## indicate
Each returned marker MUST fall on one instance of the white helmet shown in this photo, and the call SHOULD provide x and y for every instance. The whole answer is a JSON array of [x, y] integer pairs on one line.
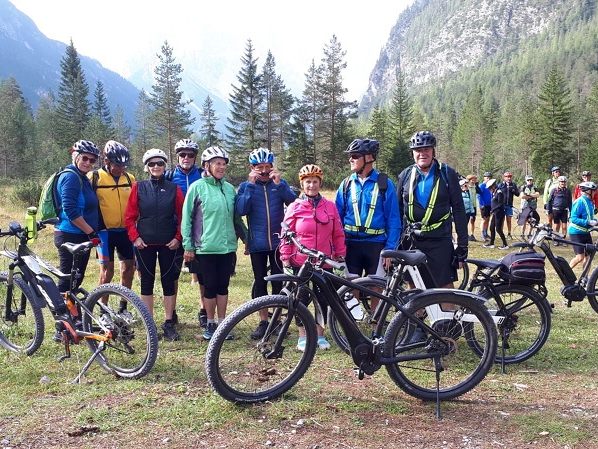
[[213, 152], [154, 152]]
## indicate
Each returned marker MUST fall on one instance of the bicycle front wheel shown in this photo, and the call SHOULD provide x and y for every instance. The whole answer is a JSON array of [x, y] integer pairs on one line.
[[243, 370], [132, 348], [592, 289], [523, 318], [446, 365], [21, 320]]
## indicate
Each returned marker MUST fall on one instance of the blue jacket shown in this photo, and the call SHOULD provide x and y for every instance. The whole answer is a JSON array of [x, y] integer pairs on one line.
[[76, 198], [263, 204], [485, 196], [386, 213], [581, 214], [182, 179]]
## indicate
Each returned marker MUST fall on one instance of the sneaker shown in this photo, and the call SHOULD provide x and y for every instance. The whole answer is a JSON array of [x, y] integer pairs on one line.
[[487, 245], [170, 332], [260, 330], [556, 243], [472, 238], [175, 317], [504, 247], [301, 342], [202, 318], [323, 343], [210, 329]]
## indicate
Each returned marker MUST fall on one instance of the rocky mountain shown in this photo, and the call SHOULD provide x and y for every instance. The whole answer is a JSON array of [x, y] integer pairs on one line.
[[435, 42]]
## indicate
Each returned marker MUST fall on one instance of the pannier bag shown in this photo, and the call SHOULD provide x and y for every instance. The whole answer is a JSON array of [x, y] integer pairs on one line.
[[523, 268]]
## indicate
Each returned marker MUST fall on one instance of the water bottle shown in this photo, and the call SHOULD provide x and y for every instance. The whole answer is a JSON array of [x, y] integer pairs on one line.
[[31, 223]]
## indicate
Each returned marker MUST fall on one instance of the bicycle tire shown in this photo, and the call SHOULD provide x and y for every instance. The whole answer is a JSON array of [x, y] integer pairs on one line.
[[238, 370], [126, 355], [463, 277], [366, 324], [463, 369], [20, 331], [591, 287], [525, 326]]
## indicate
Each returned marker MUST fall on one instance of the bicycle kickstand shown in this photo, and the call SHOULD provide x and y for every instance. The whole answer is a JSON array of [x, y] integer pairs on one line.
[[439, 369], [77, 379]]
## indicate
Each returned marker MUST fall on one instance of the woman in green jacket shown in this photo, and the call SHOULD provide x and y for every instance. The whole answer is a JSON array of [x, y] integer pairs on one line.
[[210, 230]]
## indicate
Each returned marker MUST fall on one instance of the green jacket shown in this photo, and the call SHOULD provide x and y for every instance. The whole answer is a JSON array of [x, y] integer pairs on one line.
[[210, 225]]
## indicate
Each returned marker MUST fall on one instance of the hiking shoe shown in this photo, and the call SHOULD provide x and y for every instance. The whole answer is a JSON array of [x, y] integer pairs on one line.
[[301, 343], [487, 245], [472, 238], [202, 317], [448, 328], [260, 330], [170, 332], [323, 343], [210, 329], [504, 247]]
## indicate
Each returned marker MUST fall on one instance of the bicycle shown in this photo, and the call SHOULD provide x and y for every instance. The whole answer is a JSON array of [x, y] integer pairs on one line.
[[440, 368], [117, 326], [521, 314], [575, 289]]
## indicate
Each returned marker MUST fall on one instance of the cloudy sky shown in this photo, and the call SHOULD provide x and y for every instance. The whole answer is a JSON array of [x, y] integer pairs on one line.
[[209, 38]]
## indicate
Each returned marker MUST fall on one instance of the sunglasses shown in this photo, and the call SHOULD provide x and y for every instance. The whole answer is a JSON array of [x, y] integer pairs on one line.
[[91, 160], [187, 155], [156, 163], [355, 156]]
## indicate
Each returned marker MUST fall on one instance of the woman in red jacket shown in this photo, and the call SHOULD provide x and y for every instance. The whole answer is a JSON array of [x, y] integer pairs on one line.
[[316, 222], [153, 222]]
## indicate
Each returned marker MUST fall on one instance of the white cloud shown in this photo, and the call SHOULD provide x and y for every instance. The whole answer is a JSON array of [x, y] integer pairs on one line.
[[209, 38]]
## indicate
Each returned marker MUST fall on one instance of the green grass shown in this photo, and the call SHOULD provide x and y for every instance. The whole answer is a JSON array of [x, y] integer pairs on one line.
[[175, 397]]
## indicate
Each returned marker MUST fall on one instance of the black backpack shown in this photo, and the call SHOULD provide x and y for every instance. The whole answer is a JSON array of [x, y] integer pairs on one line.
[[382, 187]]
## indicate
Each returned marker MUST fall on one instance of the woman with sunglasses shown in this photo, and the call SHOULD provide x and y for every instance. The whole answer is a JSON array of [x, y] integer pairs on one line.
[[78, 217], [153, 222], [317, 224]]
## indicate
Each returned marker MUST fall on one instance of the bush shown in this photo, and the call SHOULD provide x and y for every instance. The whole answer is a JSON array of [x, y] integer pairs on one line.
[[27, 193]]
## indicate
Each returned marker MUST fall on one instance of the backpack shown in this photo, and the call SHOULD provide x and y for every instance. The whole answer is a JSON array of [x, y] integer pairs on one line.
[[95, 176], [525, 268], [48, 203], [382, 187]]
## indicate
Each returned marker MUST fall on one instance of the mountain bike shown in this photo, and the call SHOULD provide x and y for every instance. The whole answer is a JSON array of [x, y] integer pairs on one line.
[[442, 367], [116, 324], [574, 289]]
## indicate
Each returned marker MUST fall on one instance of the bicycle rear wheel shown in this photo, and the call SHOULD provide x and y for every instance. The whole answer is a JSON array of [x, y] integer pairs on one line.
[[133, 347], [359, 304], [450, 361], [523, 319], [21, 320], [243, 370]]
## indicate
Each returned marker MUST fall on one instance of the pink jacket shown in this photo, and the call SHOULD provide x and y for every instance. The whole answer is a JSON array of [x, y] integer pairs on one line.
[[318, 229]]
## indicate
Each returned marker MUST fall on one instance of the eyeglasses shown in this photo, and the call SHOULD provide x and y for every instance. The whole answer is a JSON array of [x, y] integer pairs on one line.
[[158, 163], [91, 160], [187, 155], [355, 156]]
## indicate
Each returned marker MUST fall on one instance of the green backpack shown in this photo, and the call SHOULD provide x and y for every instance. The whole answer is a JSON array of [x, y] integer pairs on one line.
[[48, 204]]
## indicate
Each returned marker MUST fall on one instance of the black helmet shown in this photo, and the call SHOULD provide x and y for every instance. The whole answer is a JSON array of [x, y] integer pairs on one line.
[[85, 146], [116, 153], [363, 146], [422, 139], [487, 174]]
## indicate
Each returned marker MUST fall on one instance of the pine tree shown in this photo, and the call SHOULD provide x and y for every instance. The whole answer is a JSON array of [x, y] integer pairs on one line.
[[245, 124], [143, 129], [301, 147], [100, 105], [53, 155], [396, 155], [122, 130], [379, 130], [554, 124], [208, 132], [308, 116], [99, 128], [72, 112], [16, 130], [170, 117]]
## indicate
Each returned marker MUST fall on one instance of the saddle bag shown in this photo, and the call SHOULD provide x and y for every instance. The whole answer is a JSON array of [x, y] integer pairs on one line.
[[527, 268]]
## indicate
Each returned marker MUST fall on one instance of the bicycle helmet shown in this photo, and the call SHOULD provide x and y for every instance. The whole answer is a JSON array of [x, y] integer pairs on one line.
[[212, 153], [562, 179], [586, 173], [116, 153], [152, 153], [310, 170], [555, 168], [85, 146], [261, 156], [587, 186], [363, 146], [529, 178], [487, 174], [186, 144], [422, 139]]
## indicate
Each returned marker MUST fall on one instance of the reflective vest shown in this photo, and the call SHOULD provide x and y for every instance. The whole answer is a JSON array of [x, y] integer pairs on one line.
[[427, 224]]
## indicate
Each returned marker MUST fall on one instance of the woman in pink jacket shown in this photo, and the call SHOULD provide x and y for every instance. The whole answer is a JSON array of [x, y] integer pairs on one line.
[[316, 222]]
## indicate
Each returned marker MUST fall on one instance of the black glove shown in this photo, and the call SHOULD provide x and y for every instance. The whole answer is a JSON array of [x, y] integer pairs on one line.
[[93, 235], [461, 253]]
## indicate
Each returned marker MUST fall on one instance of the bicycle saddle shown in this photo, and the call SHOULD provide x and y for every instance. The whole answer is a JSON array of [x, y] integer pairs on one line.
[[484, 263], [411, 257], [77, 248]]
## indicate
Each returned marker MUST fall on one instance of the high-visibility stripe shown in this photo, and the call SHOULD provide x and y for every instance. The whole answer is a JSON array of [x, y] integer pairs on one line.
[[370, 216], [365, 230], [431, 203]]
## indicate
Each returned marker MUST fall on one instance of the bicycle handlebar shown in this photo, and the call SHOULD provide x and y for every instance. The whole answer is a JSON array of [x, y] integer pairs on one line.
[[321, 257]]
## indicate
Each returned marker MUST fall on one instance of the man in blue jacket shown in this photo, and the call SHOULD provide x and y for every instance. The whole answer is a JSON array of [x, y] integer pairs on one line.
[[262, 199], [484, 200], [368, 207]]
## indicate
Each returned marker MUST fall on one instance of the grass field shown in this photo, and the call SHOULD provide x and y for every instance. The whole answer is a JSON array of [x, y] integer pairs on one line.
[[549, 401]]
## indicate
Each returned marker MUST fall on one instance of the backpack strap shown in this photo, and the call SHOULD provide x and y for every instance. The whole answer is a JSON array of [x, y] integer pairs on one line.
[[95, 176]]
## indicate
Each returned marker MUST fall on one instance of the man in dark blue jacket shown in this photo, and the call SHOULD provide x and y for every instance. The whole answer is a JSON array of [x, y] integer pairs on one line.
[[262, 199]]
